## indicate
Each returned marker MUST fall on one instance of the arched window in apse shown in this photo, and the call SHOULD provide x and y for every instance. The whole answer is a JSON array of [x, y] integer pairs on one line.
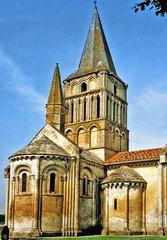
[[24, 182], [115, 204], [52, 182], [85, 186]]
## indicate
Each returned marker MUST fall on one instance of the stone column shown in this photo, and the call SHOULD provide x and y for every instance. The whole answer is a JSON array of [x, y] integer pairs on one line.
[[64, 206], [10, 198], [72, 195], [42, 190], [125, 116], [76, 197], [119, 112], [13, 200], [78, 110], [127, 210], [160, 199], [7, 199], [105, 230], [35, 177], [165, 197], [95, 201], [81, 108], [67, 204], [144, 209], [69, 111], [112, 113], [111, 108], [88, 108], [75, 110], [105, 103], [95, 106]]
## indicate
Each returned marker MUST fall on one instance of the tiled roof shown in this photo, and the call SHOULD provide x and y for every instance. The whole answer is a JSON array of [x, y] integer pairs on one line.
[[42, 146], [123, 174], [139, 155]]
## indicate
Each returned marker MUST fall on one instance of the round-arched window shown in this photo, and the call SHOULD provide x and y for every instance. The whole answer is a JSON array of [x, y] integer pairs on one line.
[[24, 182], [52, 182], [83, 87]]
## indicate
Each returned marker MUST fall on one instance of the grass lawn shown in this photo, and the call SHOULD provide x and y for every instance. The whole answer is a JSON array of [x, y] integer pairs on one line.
[[108, 238]]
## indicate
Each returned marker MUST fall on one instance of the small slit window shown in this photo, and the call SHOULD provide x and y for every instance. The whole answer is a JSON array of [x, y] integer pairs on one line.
[[115, 204], [85, 186], [24, 182], [72, 112], [115, 89], [83, 87], [98, 106], [107, 106], [84, 109], [52, 182]]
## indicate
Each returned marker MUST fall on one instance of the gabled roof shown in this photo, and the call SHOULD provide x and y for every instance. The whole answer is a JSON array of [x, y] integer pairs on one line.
[[50, 141], [42, 146], [123, 174], [96, 54], [139, 155]]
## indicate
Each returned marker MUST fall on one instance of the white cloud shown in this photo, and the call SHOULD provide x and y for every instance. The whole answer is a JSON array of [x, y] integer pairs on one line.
[[147, 117], [153, 98], [19, 83]]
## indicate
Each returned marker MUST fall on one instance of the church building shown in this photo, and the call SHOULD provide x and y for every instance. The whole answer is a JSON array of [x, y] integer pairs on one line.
[[77, 175]]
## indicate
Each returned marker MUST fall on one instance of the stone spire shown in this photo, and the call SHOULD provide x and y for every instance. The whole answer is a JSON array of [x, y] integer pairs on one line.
[[96, 54], [55, 109]]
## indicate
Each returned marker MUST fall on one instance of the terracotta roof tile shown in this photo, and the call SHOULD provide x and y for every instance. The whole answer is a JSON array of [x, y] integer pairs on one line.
[[124, 174], [139, 155]]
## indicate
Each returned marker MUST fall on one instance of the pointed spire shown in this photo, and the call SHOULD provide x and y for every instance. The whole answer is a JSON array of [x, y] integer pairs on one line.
[[96, 54], [56, 93], [55, 109], [95, 2]]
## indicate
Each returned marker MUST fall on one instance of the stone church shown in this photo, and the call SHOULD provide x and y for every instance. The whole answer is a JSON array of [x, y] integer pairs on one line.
[[77, 175]]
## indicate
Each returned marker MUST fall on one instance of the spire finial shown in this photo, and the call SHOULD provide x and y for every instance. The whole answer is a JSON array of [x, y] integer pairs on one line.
[[95, 3]]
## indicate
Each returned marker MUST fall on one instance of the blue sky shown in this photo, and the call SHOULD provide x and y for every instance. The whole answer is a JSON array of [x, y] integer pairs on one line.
[[37, 34]]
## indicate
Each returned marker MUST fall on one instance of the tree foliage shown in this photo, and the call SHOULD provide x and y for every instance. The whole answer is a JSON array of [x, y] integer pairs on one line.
[[160, 6]]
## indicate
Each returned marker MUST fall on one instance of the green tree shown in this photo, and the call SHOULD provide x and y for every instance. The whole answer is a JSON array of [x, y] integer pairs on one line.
[[160, 6]]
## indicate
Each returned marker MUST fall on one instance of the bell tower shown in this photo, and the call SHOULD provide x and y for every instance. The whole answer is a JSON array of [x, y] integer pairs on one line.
[[96, 98]]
